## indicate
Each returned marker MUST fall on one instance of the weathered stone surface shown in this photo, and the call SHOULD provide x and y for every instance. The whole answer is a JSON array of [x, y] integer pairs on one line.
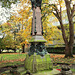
[[66, 70], [37, 21], [14, 72], [38, 48], [52, 72], [36, 63], [37, 38], [28, 73], [40, 60]]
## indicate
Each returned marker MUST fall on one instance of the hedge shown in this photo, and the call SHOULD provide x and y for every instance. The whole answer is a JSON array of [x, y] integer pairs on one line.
[[58, 50]]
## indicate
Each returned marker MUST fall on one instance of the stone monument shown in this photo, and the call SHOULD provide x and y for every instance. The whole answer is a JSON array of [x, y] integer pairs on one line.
[[38, 58], [37, 41]]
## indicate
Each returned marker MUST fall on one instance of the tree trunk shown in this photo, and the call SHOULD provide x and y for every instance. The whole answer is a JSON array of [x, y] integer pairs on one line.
[[68, 45], [71, 29], [68, 51], [0, 50], [23, 48], [68, 42], [14, 50]]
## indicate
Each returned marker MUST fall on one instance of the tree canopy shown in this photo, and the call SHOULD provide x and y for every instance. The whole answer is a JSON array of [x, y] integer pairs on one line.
[[7, 3], [52, 13]]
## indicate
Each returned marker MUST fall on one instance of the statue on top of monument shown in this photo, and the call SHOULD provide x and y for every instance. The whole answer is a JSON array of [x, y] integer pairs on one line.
[[36, 3]]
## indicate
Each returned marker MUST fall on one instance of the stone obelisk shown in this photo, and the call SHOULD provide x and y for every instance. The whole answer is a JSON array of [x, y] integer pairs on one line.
[[36, 23], [37, 41], [37, 59]]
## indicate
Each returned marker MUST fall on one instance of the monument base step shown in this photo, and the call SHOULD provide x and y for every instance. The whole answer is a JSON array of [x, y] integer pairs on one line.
[[37, 38], [49, 72], [35, 63]]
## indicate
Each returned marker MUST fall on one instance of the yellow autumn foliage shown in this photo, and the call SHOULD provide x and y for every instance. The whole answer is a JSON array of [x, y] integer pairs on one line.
[[25, 19]]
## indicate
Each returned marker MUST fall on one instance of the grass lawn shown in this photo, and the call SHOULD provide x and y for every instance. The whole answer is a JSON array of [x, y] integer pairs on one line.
[[7, 59], [10, 59], [11, 56]]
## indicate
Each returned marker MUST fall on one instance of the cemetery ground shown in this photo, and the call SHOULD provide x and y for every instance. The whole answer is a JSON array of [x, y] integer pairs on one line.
[[8, 60]]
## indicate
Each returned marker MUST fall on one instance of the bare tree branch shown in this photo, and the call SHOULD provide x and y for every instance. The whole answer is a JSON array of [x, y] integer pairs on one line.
[[73, 15], [72, 11], [70, 1]]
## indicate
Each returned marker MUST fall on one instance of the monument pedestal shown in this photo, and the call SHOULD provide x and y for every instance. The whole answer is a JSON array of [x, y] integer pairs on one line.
[[37, 45], [37, 38], [35, 63]]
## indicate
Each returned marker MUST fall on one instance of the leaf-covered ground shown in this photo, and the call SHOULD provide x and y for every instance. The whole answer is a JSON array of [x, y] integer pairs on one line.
[[10, 59], [16, 58], [59, 58]]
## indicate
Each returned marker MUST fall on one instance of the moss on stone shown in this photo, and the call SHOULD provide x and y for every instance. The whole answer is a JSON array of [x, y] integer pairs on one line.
[[48, 72], [36, 63], [37, 41]]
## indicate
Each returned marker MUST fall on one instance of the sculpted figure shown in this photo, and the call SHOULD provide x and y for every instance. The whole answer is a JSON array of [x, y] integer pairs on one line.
[[32, 49], [40, 49]]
